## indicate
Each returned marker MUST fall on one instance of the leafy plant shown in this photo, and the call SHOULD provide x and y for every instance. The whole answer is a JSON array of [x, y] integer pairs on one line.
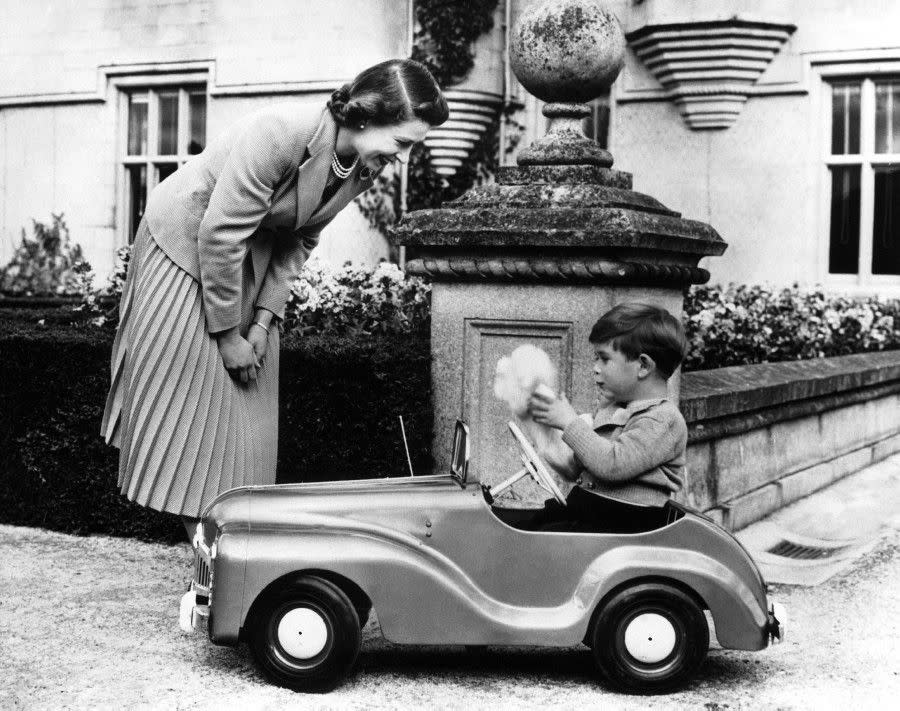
[[740, 324], [357, 300], [103, 303], [444, 33], [46, 264]]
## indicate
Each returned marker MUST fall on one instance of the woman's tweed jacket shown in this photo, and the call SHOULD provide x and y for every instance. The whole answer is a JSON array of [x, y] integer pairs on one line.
[[248, 191]]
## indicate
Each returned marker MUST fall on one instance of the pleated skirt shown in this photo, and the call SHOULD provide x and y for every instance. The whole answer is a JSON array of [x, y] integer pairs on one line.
[[186, 431]]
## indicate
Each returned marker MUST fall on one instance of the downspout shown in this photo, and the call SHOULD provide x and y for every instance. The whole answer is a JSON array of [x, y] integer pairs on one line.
[[507, 81], [404, 169]]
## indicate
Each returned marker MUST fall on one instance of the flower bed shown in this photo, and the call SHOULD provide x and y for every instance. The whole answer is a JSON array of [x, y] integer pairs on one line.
[[733, 325], [357, 300], [741, 325]]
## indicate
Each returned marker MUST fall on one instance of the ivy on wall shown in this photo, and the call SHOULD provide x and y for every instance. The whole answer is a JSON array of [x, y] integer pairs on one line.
[[444, 33], [442, 41]]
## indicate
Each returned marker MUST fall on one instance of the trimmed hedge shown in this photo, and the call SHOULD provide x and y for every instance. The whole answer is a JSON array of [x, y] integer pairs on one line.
[[339, 402]]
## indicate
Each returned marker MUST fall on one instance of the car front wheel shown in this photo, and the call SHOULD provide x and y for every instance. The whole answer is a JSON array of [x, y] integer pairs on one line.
[[650, 638], [305, 635]]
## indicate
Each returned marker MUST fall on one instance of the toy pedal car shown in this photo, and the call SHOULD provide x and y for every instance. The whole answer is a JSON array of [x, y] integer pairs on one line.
[[295, 569]]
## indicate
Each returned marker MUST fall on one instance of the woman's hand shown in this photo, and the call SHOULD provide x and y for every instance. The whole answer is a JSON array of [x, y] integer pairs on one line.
[[237, 355], [550, 410], [258, 337]]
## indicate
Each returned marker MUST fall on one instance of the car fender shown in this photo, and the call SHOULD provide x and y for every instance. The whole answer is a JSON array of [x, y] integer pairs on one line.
[[419, 594], [740, 621]]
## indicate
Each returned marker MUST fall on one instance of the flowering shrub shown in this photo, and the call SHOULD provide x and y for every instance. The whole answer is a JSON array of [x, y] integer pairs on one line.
[[103, 304], [47, 264], [357, 300], [733, 325], [739, 324]]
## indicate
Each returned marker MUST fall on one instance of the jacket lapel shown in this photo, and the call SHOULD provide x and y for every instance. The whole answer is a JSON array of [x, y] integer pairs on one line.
[[311, 176], [349, 189]]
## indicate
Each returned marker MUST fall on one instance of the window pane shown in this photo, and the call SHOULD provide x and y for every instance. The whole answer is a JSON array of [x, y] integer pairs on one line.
[[168, 124], [137, 197], [197, 139], [164, 170], [886, 228], [887, 117], [137, 124], [843, 257], [845, 119]]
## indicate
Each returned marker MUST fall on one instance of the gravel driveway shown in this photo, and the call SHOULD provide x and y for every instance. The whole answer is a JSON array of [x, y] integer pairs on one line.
[[91, 623]]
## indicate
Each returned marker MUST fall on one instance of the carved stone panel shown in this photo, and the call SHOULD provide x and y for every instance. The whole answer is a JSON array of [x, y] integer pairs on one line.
[[486, 341]]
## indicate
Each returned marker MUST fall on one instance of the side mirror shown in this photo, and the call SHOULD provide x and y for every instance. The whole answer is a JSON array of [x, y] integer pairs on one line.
[[459, 460]]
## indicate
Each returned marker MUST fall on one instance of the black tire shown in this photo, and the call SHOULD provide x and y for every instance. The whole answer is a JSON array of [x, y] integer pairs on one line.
[[363, 614], [324, 605], [682, 636]]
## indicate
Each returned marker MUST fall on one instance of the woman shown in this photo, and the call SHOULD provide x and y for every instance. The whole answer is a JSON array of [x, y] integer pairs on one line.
[[220, 242]]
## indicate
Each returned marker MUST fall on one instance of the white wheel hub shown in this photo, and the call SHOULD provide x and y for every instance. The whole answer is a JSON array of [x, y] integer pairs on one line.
[[650, 638], [302, 633]]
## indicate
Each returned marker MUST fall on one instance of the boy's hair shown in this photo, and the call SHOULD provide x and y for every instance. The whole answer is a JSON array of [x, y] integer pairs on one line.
[[635, 328]]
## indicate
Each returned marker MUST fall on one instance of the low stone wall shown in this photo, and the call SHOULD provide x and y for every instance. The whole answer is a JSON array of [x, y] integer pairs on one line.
[[762, 436]]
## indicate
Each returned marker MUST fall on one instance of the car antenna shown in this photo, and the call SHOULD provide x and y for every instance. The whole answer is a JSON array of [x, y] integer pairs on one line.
[[406, 446]]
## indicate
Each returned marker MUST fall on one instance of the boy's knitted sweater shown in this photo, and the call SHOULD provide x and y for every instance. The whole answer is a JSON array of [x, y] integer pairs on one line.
[[633, 453]]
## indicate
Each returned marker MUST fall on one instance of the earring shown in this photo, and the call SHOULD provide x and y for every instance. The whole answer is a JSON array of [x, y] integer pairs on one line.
[[362, 126]]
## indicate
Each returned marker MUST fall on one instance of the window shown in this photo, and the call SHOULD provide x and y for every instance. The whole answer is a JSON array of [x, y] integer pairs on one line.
[[863, 164], [164, 126]]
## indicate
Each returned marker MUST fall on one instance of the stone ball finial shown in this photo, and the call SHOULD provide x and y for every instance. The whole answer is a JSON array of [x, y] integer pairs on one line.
[[567, 51]]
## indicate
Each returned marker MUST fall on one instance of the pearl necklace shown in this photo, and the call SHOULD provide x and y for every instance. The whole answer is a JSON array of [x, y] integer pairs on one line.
[[339, 170]]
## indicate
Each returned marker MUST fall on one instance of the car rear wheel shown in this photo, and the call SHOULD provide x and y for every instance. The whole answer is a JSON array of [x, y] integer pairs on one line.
[[650, 638], [305, 635]]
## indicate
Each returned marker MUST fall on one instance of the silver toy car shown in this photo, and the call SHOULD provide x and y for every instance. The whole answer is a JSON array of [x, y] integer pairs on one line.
[[295, 569]]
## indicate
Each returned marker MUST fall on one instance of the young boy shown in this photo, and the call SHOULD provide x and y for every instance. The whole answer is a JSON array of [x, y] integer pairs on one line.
[[634, 452]]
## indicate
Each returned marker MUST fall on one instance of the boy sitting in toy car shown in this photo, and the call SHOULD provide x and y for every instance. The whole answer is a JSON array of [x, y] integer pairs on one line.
[[635, 449]]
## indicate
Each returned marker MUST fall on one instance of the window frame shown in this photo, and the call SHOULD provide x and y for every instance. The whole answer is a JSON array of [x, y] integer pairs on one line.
[[866, 72], [185, 84]]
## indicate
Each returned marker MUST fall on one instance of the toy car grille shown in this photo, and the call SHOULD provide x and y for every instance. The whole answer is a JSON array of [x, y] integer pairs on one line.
[[201, 571]]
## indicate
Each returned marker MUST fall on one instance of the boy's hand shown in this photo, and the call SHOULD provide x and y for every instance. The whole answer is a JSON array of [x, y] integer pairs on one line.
[[553, 411]]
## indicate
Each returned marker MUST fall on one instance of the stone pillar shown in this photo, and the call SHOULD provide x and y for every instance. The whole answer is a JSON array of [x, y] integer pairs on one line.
[[541, 254]]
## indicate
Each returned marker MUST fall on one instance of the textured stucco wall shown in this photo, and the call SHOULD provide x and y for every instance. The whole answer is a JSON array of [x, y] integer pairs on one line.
[[55, 46], [760, 183], [59, 155]]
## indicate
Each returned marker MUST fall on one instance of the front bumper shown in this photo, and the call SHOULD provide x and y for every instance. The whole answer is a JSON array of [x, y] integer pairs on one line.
[[193, 611], [776, 622]]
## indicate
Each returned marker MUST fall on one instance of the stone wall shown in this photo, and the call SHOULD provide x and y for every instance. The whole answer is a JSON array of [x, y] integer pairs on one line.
[[762, 436]]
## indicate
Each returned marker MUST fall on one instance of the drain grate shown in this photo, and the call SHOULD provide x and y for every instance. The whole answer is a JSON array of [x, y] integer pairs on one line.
[[786, 549]]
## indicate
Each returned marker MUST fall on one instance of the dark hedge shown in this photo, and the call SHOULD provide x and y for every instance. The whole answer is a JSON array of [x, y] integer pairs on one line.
[[339, 404]]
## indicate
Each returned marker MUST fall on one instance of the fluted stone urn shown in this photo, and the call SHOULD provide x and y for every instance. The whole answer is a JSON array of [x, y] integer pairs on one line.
[[539, 255]]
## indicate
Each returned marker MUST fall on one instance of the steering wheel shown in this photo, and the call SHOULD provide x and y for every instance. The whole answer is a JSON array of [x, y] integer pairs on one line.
[[535, 465]]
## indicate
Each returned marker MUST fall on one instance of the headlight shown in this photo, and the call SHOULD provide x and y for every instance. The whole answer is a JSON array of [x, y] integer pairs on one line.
[[198, 535]]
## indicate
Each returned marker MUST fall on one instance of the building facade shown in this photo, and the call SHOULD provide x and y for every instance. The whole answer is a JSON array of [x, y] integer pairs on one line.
[[777, 121], [102, 99]]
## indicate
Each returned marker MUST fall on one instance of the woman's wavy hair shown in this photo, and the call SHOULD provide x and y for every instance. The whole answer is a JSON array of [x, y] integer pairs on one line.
[[390, 93]]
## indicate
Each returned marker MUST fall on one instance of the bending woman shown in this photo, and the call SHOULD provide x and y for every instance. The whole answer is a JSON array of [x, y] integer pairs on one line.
[[193, 404]]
